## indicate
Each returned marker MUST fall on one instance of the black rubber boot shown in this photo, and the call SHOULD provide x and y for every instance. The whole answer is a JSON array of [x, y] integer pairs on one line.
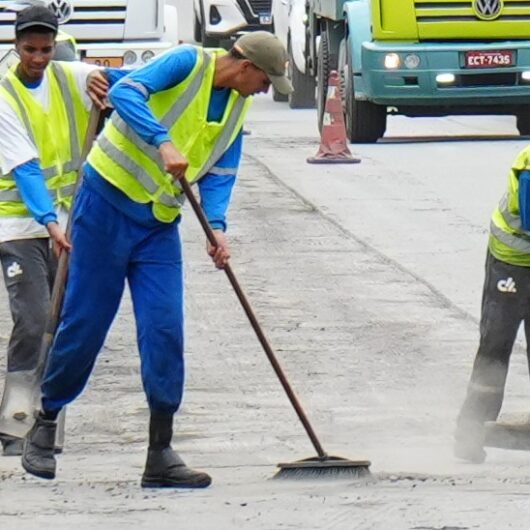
[[164, 468], [12, 446], [39, 447]]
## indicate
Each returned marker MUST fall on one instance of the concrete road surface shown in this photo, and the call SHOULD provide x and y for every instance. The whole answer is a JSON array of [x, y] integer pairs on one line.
[[367, 281]]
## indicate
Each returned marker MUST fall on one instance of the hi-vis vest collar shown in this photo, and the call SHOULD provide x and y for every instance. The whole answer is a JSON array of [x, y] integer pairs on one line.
[[48, 172]]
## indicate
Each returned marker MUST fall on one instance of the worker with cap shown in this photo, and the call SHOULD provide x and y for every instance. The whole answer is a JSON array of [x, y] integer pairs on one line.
[[44, 108], [180, 116], [65, 44]]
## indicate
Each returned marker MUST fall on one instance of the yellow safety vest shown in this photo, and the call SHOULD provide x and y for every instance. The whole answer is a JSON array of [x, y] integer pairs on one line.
[[508, 241], [66, 47], [58, 134], [136, 168], [65, 37]]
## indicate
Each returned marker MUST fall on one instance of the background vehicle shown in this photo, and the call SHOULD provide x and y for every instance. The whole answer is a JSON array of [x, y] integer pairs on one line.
[[421, 58], [289, 19], [110, 32], [219, 20]]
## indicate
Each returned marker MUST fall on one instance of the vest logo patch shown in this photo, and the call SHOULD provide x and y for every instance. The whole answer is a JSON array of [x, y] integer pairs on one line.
[[14, 270], [506, 286]]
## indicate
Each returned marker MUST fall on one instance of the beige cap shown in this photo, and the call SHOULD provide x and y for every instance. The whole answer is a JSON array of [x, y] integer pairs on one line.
[[267, 52]]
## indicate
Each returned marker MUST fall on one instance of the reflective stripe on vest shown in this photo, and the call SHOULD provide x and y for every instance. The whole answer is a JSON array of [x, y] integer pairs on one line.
[[518, 242], [142, 176], [14, 195], [513, 221]]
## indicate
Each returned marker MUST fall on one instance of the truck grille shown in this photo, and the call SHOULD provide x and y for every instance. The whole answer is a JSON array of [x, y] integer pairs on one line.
[[95, 20], [260, 7], [457, 19], [92, 21], [462, 10]]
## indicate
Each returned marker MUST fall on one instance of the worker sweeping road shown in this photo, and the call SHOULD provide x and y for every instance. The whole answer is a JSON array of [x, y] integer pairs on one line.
[[44, 108], [505, 304], [180, 116]]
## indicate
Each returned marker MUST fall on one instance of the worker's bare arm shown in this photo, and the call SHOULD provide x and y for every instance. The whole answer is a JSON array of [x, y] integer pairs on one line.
[[98, 88]]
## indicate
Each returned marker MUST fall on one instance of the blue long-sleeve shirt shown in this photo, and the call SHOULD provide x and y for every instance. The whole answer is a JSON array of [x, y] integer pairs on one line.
[[129, 96], [32, 188]]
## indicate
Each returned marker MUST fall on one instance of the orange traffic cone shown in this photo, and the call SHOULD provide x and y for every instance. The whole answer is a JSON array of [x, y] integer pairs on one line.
[[333, 146]]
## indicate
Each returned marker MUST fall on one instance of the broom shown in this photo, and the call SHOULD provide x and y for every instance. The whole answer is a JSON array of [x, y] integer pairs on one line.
[[321, 465], [59, 284]]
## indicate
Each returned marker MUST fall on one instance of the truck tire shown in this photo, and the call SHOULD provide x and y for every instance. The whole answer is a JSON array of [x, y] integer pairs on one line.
[[303, 96], [277, 96], [197, 33], [523, 123], [323, 69], [205, 40], [365, 121]]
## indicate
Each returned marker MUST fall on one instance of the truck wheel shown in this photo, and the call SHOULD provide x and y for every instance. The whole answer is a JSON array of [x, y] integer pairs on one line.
[[323, 69], [365, 121], [197, 34], [303, 96], [523, 123], [278, 96], [207, 41]]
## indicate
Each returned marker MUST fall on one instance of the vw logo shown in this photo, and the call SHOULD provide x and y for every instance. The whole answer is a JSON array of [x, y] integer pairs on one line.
[[487, 9], [62, 9]]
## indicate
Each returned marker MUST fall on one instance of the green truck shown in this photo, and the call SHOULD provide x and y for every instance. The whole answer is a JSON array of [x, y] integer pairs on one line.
[[421, 58]]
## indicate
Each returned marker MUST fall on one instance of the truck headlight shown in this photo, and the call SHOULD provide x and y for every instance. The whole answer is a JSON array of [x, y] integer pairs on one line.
[[412, 61], [129, 57], [147, 56], [392, 61], [525, 76]]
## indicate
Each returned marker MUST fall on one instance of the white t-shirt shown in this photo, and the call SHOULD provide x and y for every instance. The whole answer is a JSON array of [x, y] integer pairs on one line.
[[16, 148]]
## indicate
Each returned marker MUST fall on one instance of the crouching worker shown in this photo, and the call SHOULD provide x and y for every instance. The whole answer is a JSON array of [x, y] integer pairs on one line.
[[179, 116]]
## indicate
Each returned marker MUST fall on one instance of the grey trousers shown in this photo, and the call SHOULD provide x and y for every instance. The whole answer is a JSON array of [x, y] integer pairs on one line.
[[29, 267], [505, 304]]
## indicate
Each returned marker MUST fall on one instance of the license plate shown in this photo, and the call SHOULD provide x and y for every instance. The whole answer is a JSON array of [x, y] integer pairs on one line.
[[111, 62], [493, 59]]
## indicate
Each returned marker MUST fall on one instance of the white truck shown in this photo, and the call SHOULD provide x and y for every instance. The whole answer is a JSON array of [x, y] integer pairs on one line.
[[289, 19], [110, 32], [220, 20]]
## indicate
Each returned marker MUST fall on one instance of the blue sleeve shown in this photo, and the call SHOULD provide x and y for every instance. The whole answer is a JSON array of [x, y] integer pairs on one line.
[[115, 74], [130, 94], [524, 199], [216, 186], [32, 188]]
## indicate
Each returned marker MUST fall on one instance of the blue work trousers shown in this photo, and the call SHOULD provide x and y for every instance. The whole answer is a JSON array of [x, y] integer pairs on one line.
[[108, 248]]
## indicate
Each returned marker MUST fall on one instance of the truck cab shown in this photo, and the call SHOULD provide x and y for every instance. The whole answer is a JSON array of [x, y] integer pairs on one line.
[[422, 58], [109, 32]]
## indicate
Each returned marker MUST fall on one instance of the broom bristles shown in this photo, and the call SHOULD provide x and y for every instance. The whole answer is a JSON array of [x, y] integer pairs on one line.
[[331, 467]]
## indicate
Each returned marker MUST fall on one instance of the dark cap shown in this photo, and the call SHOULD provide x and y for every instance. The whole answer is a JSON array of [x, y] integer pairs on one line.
[[36, 16], [267, 52]]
